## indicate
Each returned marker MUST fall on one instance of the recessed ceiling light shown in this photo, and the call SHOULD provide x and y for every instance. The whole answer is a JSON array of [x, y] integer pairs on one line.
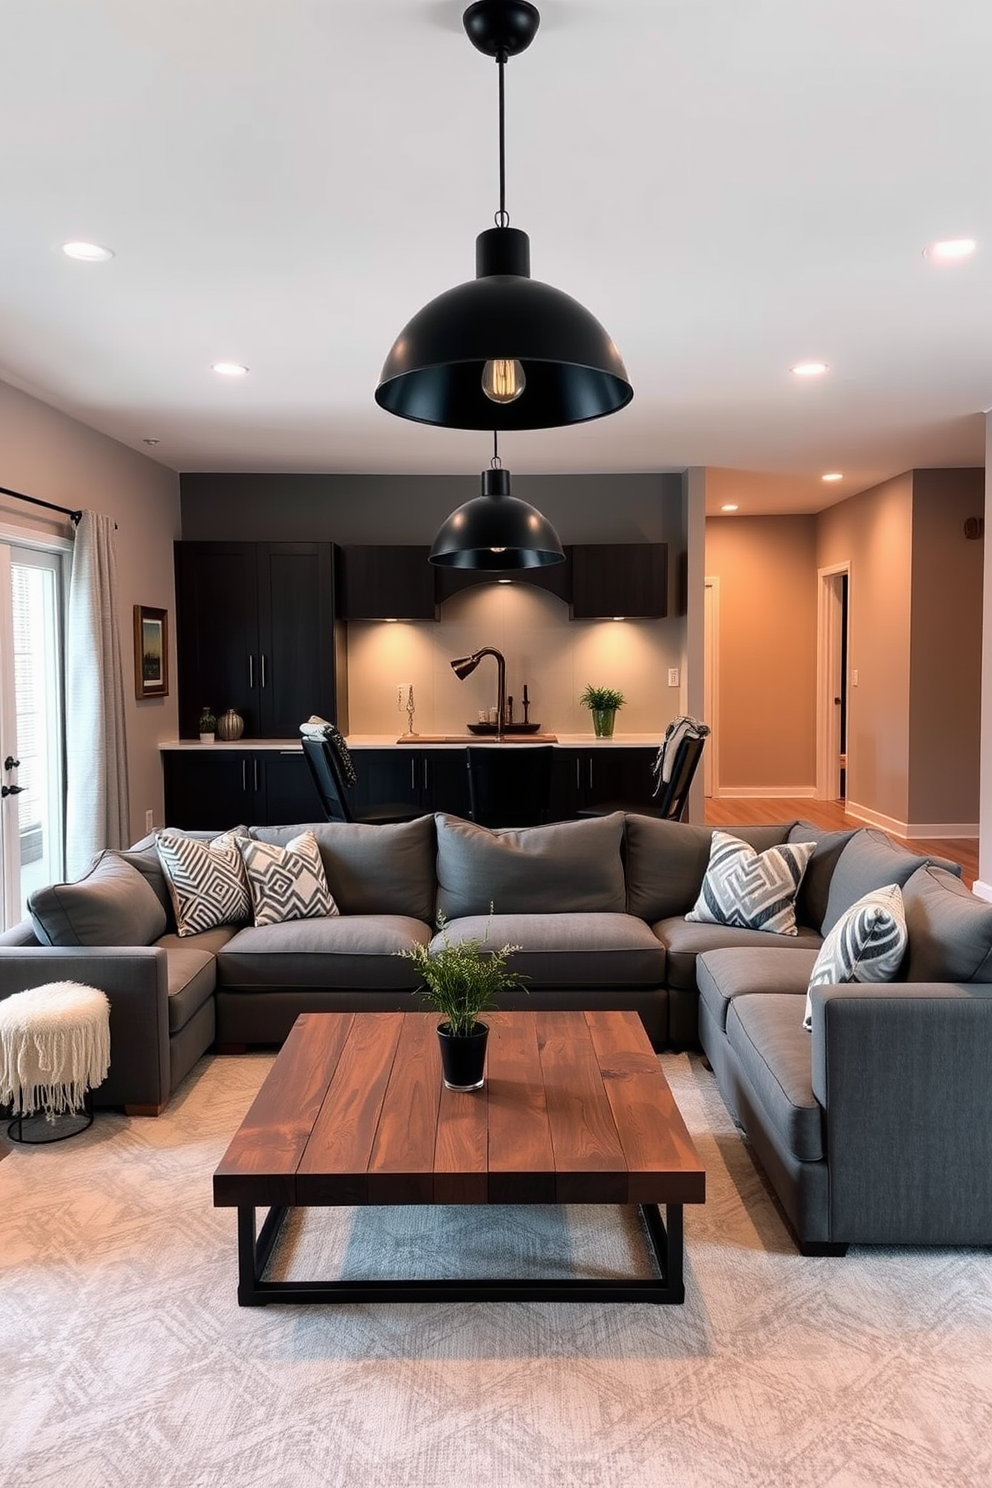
[[833, 475], [949, 250], [729, 506], [229, 369], [809, 369], [87, 252], [149, 441], [504, 581]]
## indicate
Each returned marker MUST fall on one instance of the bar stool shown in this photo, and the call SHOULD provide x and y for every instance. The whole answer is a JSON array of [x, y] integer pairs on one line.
[[54, 1048]]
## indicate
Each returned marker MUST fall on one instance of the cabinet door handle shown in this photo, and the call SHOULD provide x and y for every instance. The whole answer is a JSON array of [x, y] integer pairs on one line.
[[255, 765], [578, 781], [590, 772], [425, 772], [244, 775], [262, 660], [251, 671], [413, 773]]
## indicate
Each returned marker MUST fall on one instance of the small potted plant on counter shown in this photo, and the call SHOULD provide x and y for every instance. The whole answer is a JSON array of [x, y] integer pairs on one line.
[[604, 702], [208, 726], [461, 980]]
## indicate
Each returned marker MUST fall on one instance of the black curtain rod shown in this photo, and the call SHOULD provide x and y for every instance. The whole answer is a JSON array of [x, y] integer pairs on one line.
[[37, 501]]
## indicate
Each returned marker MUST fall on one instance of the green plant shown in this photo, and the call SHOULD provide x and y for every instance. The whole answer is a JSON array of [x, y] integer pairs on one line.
[[462, 979], [602, 697], [208, 721]]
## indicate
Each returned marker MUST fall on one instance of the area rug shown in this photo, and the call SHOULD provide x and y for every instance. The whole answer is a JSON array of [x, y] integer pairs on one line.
[[126, 1363]]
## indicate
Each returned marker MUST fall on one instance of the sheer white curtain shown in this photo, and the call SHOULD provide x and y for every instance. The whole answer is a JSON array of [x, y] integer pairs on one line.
[[96, 749]]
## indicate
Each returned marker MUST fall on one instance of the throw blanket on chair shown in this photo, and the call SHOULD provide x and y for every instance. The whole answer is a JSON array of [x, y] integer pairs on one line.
[[322, 729], [677, 730]]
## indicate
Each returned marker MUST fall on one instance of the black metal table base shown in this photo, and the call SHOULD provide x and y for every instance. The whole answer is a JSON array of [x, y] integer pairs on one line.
[[665, 1244]]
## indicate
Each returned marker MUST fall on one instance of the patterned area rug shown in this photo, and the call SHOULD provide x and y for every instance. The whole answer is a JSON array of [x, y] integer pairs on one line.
[[126, 1362]]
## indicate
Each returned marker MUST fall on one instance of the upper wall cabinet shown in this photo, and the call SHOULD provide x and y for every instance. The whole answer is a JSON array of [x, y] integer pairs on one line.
[[612, 579], [255, 632], [386, 582]]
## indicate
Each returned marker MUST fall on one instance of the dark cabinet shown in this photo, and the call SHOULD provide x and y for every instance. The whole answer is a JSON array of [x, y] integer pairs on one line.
[[388, 581], [214, 788], [612, 579], [599, 774], [255, 632], [431, 779]]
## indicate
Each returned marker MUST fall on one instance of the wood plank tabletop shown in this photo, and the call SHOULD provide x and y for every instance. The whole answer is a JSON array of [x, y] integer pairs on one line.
[[575, 1109]]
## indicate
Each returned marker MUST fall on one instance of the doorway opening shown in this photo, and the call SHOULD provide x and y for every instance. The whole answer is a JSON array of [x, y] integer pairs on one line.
[[833, 673]]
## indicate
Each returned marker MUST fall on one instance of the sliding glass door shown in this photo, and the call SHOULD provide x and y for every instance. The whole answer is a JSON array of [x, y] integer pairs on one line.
[[32, 769]]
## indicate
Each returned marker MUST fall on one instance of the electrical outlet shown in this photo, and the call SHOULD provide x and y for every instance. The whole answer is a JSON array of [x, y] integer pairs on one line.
[[149, 821], [673, 676]]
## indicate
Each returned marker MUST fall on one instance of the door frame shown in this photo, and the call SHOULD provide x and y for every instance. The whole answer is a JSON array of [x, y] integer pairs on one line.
[[830, 676], [711, 684]]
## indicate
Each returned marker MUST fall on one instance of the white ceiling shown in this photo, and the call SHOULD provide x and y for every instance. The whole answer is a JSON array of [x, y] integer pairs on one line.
[[730, 186]]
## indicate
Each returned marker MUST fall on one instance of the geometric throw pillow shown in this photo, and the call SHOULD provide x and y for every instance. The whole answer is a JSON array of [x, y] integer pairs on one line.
[[286, 883], [867, 944], [206, 881], [752, 890]]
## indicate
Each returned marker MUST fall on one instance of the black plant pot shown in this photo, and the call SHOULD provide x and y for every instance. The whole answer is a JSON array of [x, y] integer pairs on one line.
[[463, 1056]]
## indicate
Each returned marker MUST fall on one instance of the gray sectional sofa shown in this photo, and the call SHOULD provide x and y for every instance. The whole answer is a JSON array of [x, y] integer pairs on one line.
[[598, 908]]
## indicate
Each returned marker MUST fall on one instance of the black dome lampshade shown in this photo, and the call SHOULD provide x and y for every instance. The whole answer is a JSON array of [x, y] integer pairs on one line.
[[503, 351], [496, 531]]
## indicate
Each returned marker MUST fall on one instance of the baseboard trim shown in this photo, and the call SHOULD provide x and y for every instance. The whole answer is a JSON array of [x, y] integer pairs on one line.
[[983, 890], [915, 830], [772, 792]]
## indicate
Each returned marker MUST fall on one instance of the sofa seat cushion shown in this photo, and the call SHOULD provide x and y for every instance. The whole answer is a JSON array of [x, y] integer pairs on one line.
[[341, 951], [372, 870], [571, 950], [684, 940], [192, 977], [562, 868], [724, 975], [666, 862], [773, 1050]]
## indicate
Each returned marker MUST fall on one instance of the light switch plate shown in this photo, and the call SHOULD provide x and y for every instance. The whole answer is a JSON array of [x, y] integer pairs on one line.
[[673, 676]]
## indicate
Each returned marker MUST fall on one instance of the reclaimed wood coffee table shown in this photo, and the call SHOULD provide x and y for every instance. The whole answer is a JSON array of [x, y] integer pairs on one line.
[[575, 1110]]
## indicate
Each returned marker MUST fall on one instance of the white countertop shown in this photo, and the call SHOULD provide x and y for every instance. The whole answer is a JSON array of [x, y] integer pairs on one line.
[[382, 741]]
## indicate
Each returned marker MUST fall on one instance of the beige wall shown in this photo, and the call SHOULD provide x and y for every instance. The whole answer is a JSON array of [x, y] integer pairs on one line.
[[873, 533], [945, 649], [766, 711], [48, 455]]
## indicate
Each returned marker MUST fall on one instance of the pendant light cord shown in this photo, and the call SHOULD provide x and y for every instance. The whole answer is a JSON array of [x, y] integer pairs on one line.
[[495, 462], [502, 216]]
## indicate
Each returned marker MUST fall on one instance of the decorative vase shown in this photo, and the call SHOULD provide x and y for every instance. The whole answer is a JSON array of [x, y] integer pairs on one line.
[[230, 725], [463, 1056], [206, 738], [603, 720]]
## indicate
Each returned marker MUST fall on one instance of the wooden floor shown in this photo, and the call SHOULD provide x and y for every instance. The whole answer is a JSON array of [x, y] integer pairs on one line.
[[752, 812]]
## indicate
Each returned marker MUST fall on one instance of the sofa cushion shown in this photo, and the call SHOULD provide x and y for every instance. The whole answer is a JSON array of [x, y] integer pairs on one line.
[[950, 930], [684, 940], [665, 862], [111, 905], [811, 901], [286, 883], [773, 1052], [869, 861], [342, 951], [206, 881], [570, 950], [192, 976], [752, 890], [726, 974], [867, 944], [386, 870], [143, 855], [565, 868]]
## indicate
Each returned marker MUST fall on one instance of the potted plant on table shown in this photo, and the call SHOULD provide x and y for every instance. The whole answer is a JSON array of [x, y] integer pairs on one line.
[[462, 979], [207, 725], [604, 702]]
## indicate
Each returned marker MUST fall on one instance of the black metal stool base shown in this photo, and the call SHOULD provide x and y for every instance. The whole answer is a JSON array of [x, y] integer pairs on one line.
[[38, 1129]]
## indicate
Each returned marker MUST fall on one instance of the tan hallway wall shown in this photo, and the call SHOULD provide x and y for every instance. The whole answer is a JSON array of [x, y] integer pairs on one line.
[[766, 709], [49, 455]]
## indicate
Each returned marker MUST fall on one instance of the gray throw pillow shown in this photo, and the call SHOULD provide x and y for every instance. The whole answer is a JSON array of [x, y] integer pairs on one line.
[[111, 905], [385, 869], [869, 861], [666, 862], [563, 868], [950, 929], [811, 901]]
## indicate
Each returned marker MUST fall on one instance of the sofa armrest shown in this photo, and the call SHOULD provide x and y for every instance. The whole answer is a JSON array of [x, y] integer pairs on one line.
[[135, 980], [902, 1073]]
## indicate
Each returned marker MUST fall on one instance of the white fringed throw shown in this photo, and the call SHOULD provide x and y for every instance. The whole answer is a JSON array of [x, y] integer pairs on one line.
[[676, 731], [54, 1045]]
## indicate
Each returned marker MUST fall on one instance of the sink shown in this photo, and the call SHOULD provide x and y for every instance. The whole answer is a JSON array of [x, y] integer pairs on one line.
[[509, 728]]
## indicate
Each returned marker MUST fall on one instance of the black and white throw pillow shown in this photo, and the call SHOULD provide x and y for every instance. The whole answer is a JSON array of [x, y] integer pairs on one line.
[[206, 880], [286, 883], [867, 944], [752, 890]]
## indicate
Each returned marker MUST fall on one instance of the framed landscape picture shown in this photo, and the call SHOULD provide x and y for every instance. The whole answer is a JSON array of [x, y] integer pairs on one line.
[[151, 652]]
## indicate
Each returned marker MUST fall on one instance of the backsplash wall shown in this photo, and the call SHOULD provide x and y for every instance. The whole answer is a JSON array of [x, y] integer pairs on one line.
[[554, 656]]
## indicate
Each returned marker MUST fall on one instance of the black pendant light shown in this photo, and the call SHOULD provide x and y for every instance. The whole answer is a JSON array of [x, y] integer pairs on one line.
[[503, 351], [496, 530]]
